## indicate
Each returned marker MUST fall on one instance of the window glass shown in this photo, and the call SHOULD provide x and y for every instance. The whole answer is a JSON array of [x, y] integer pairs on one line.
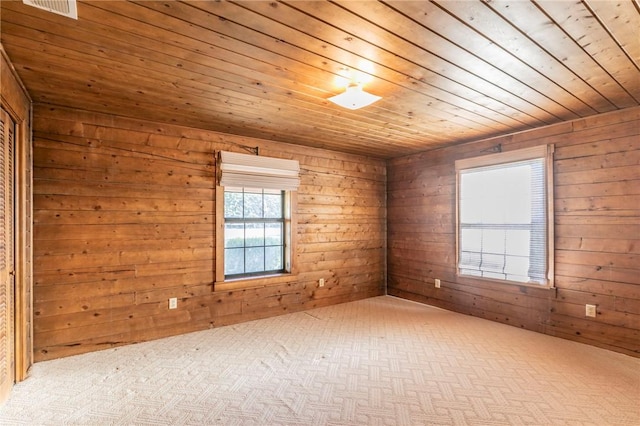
[[254, 258], [273, 258], [234, 261], [233, 204], [253, 205], [272, 205], [273, 234], [254, 232], [233, 235], [502, 225]]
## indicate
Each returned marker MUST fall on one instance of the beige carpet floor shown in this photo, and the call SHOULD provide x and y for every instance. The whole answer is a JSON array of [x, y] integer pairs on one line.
[[381, 361]]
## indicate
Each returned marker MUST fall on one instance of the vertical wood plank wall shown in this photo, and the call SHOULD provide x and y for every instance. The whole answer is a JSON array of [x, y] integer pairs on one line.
[[597, 234], [124, 219]]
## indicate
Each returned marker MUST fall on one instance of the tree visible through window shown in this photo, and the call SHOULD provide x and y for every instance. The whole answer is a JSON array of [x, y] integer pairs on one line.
[[254, 232], [503, 208]]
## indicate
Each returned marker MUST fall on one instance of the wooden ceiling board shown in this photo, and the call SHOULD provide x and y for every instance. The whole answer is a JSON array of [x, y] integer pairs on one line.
[[422, 132], [438, 72], [299, 73], [598, 44], [588, 79], [621, 19], [392, 105], [460, 63], [528, 61], [448, 71], [434, 113], [268, 85], [492, 81], [259, 81], [131, 49]]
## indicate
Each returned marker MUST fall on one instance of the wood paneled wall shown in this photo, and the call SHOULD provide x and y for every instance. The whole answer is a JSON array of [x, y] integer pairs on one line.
[[124, 219], [597, 234]]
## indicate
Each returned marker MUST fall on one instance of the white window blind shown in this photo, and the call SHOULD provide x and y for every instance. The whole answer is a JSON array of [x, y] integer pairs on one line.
[[243, 170], [502, 218]]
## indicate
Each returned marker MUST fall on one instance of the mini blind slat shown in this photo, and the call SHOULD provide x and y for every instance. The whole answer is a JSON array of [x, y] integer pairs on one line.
[[242, 170], [4, 124]]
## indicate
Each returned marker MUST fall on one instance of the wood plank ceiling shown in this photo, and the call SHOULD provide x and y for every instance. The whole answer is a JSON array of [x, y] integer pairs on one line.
[[448, 71]]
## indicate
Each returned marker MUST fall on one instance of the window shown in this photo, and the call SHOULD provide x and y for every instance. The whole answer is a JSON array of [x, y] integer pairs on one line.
[[255, 219], [504, 205], [254, 232]]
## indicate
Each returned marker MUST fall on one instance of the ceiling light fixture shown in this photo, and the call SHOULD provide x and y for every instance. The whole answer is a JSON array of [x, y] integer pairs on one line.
[[354, 97]]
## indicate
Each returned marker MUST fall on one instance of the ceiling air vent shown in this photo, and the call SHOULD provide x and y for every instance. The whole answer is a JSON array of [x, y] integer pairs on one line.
[[61, 7]]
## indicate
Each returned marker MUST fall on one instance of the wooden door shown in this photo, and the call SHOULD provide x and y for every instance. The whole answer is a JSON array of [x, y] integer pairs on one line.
[[7, 267]]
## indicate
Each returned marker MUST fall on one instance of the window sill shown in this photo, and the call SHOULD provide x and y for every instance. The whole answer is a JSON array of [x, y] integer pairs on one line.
[[253, 282], [471, 280]]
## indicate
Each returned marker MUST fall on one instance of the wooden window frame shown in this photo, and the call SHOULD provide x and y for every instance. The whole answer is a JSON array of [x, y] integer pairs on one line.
[[541, 151]]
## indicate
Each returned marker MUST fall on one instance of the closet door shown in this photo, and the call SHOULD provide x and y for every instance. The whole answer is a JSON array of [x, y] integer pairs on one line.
[[7, 267]]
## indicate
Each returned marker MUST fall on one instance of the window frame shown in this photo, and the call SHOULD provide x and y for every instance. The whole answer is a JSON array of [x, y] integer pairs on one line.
[[244, 221], [544, 152], [290, 224]]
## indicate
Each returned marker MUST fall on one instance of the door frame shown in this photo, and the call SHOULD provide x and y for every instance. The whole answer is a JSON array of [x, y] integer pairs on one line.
[[15, 100]]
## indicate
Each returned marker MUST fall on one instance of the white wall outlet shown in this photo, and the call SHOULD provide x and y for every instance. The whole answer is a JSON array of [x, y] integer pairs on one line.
[[321, 282], [173, 303], [590, 310], [437, 283]]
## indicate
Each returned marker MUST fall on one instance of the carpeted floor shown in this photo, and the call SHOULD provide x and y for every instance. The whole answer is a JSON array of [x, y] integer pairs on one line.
[[381, 361]]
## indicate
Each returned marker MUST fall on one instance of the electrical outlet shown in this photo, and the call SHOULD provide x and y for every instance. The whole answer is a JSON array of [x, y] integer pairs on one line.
[[590, 311], [173, 303], [437, 283], [321, 282]]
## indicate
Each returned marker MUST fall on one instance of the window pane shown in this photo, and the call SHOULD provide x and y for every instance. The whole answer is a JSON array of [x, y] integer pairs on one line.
[[273, 205], [472, 240], [273, 258], [254, 259], [517, 242], [471, 197], [493, 263], [273, 234], [496, 196], [233, 261], [516, 194], [254, 234], [253, 205], [232, 204], [502, 221], [470, 260], [493, 241], [233, 235], [517, 266]]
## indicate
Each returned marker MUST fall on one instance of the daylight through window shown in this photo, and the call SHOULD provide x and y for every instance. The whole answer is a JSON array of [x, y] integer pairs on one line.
[[254, 238], [503, 211], [255, 220]]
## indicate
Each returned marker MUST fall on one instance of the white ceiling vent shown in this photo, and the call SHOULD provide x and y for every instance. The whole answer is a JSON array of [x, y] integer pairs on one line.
[[61, 7]]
